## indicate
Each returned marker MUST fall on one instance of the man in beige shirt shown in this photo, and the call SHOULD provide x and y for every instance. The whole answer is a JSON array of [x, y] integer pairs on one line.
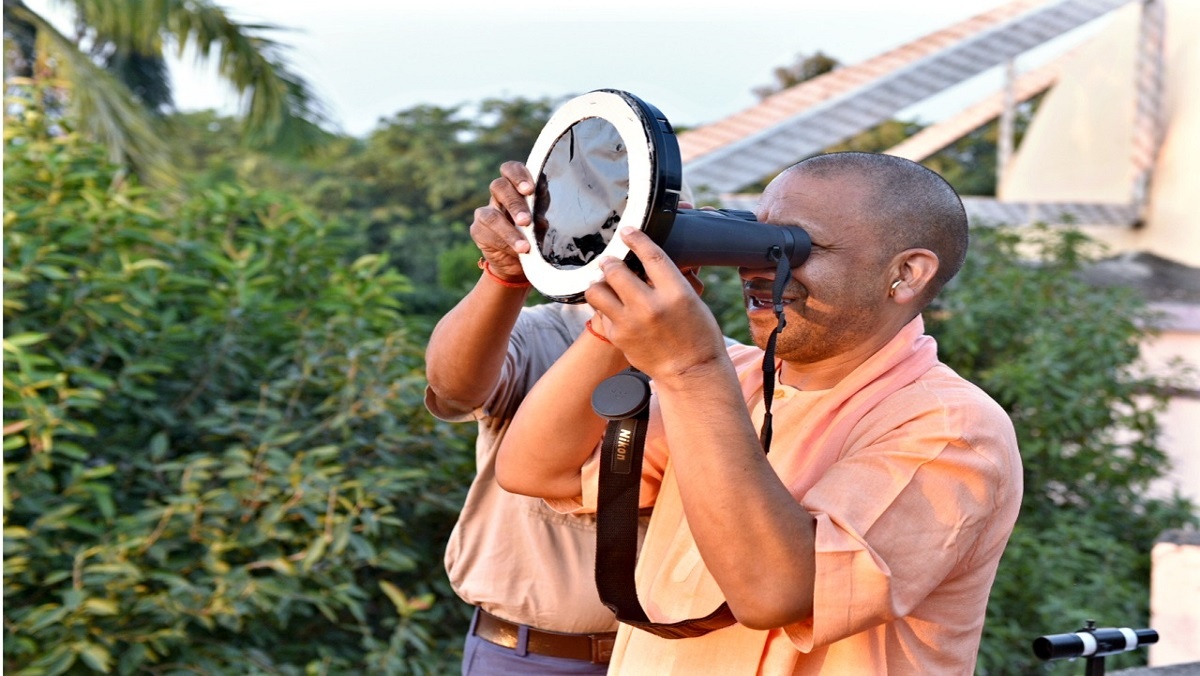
[[527, 569], [867, 540]]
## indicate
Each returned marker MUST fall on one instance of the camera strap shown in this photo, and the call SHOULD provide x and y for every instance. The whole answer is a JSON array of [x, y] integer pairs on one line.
[[624, 400], [783, 271]]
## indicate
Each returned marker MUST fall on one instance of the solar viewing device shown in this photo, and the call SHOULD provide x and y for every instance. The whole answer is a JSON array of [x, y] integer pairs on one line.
[[608, 159]]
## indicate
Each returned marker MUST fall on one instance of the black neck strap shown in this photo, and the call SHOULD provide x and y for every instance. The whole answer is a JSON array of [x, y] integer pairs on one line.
[[783, 272], [624, 400]]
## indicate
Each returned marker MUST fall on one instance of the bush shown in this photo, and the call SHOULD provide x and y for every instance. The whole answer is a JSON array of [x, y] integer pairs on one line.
[[216, 453]]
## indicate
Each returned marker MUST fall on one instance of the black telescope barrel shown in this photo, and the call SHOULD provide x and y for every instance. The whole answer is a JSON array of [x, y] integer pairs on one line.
[[1092, 643], [732, 238]]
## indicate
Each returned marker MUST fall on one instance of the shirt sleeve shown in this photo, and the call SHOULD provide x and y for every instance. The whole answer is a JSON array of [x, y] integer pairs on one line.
[[654, 463], [539, 337], [896, 516]]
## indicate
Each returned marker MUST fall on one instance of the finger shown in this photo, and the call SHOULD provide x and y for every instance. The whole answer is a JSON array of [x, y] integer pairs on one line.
[[509, 192], [692, 275], [507, 196], [518, 174], [659, 268], [601, 297], [623, 283], [493, 232]]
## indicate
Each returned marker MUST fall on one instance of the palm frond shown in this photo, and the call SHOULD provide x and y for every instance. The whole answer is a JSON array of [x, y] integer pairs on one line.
[[103, 106], [147, 77], [134, 26], [280, 109], [125, 38]]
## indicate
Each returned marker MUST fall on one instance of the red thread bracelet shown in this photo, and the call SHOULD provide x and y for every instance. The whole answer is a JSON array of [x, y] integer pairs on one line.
[[588, 326], [487, 268]]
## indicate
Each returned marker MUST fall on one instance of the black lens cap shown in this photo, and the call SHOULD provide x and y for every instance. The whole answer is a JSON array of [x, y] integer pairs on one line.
[[621, 396]]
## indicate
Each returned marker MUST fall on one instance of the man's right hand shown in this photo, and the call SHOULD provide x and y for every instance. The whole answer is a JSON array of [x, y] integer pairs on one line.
[[494, 229]]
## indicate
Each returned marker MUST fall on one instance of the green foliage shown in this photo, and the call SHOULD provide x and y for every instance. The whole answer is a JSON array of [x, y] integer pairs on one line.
[[409, 190], [877, 139], [458, 268], [216, 455], [412, 189], [212, 151], [1061, 356], [723, 295], [114, 69]]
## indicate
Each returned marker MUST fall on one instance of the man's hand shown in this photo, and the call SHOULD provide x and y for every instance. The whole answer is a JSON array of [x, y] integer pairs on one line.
[[661, 324], [494, 228]]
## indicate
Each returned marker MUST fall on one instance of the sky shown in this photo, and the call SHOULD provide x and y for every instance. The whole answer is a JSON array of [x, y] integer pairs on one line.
[[696, 61]]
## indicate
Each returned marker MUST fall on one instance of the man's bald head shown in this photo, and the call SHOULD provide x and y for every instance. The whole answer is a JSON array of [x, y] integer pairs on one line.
[[910, 206]]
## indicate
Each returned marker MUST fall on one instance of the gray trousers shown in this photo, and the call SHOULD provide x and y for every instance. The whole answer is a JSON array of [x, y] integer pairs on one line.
[[483, 658]]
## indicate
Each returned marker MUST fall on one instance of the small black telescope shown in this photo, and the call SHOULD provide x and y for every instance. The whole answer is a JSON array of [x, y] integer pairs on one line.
[[1092, 643]]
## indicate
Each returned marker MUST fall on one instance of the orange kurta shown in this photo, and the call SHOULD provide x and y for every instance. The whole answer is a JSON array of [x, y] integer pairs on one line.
[[914, 479]]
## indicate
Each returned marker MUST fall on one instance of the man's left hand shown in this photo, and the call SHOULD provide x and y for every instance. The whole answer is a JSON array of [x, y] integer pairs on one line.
[[661, 324]]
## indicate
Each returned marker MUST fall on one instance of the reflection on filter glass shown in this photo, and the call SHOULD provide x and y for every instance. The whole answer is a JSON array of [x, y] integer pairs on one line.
[[582, 193]]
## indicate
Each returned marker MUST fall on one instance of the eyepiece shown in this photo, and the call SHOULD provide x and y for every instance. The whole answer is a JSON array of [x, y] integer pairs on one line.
[[732, 238]]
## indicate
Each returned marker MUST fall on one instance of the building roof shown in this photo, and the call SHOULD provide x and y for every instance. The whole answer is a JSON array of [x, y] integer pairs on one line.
[[1078, 159], [937, 136], [1156, 278], [802, 120]]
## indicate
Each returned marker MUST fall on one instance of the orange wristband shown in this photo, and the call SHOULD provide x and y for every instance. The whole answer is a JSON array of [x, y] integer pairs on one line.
[[511, 284], [588, 326]]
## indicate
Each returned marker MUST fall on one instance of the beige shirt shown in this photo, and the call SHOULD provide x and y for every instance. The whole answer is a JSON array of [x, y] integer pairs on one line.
[[914, 479], [511, 554]]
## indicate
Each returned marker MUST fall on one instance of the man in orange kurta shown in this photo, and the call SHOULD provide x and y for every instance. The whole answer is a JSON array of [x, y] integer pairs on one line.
[[868, 539]]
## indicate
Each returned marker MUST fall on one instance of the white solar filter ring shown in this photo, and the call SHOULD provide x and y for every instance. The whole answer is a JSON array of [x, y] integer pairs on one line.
[[568, 283]]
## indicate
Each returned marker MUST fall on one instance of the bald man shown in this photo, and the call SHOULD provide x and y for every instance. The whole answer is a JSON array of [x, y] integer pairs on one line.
[[868, 538]]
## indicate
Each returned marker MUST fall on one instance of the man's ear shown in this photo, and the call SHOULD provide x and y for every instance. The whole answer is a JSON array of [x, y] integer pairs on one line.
[[914, 272]]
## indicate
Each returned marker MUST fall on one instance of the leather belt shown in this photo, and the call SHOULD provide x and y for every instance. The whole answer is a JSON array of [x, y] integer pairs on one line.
[[594, 648]]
